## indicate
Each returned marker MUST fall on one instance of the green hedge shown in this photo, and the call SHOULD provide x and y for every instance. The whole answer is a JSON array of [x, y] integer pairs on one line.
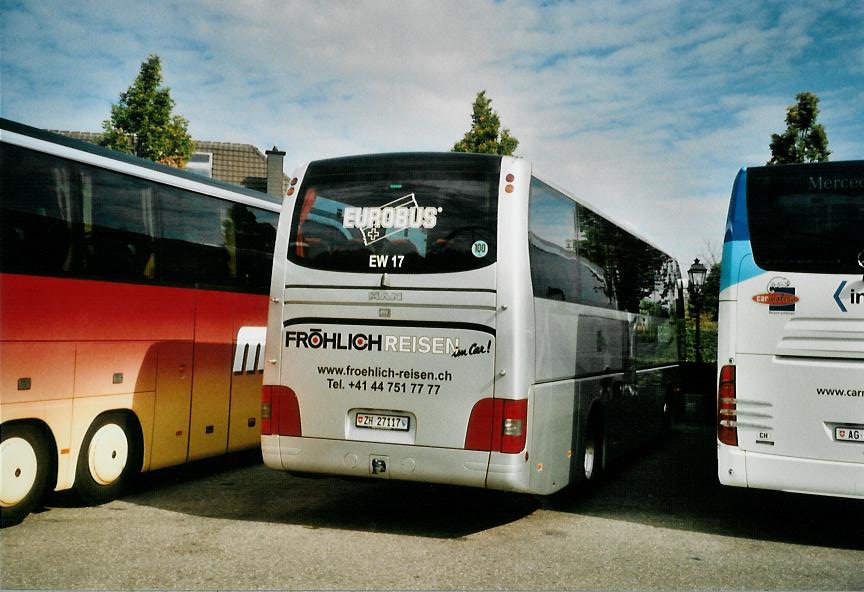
[[709, 340]]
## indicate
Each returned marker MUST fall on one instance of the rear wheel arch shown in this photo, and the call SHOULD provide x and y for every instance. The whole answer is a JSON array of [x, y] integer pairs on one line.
[[111, 455], [32, 472]]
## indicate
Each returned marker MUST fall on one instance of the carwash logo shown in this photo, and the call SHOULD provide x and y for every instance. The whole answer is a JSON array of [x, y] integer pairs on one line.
[[378, 223], [780, 296], [422, 344]]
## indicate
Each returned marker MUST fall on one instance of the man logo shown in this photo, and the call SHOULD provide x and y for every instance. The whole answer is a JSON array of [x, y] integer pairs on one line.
[[249, 352]]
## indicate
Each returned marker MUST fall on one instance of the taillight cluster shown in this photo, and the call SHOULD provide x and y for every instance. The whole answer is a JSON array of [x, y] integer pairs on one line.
[[498, 425], [280, 411], [727, 418]]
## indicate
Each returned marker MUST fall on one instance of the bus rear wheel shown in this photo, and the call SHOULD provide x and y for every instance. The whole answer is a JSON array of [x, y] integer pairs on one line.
[[110, 457], [592, 453], [24, 465]]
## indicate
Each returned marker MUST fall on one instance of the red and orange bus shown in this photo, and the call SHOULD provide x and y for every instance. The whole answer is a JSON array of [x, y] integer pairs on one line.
[[132, 313]]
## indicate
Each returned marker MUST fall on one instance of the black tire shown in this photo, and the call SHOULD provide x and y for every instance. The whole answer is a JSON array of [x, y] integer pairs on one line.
[[25, 462], [592, 452], [109, 458]]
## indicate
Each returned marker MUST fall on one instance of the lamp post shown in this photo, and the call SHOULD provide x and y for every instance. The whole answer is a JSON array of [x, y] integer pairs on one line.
[[696, 274]]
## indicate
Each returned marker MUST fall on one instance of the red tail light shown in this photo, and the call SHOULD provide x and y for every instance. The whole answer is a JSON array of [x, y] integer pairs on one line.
[[498, 425], [480, 433], [280, 411], [727, 419]]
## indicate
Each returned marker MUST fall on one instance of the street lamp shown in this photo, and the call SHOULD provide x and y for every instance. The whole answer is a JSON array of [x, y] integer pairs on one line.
[[696, 274]]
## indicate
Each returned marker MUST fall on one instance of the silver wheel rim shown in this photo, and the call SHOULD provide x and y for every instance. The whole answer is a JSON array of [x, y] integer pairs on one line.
[[18, 467], [588, 459], [108, 453]]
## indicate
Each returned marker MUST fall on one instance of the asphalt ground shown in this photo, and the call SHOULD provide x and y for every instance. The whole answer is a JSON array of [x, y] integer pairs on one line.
[[659, 520]]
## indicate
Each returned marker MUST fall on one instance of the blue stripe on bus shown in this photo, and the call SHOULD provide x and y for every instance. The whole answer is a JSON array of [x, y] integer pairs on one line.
[[737, 227], [738, 264]]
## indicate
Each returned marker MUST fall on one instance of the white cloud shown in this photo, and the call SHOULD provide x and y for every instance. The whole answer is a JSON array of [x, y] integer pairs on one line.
[[648, 108]]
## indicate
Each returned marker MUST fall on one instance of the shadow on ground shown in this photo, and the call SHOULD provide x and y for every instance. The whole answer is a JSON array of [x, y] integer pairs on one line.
[[673, 484], [239, 487], [670, 484]]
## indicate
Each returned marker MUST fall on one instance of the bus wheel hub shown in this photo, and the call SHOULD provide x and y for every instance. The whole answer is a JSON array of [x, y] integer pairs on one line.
[[18, 466], [109, 451]]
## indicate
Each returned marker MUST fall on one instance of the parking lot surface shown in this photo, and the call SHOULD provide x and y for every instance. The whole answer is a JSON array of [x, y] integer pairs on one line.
[[658, 521]]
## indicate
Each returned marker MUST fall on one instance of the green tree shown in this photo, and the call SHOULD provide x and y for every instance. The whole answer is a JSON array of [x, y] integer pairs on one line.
[[486, 135], [804, 140], [142, 123]]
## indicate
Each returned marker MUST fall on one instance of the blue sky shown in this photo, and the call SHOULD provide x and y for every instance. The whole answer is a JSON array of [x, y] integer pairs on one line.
[[646, 109]]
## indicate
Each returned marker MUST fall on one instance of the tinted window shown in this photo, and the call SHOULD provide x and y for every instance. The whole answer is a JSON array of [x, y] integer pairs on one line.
[[214, 243], [65, 218], [597, 253], [807, 218], [397, 214], [119, 234], [38, 214], [656, 328], [552, 228], [579, 256], [569, 258]]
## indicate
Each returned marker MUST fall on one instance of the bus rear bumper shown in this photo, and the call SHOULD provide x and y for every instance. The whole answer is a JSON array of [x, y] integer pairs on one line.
[[375, 460], [740, 468]]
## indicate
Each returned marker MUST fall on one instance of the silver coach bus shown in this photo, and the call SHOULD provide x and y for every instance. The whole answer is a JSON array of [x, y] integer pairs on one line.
[[451, 318]]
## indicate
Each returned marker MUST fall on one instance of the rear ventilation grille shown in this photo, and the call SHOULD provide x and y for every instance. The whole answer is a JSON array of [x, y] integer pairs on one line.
[[823, 338]]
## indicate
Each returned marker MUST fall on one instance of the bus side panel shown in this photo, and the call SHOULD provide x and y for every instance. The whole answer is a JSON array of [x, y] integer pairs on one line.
[[603, 351], [173, 402], [552, 430], [250, 321], [552, 433], [108, 376], [59, 309], [114, 368], [211, 385], [34, 371]]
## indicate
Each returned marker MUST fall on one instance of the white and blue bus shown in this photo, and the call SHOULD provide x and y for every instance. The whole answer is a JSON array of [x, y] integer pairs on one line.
[[452, 318], [791, 331]]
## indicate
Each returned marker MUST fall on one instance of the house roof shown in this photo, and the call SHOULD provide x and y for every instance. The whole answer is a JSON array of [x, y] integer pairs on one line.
[[240, 164]]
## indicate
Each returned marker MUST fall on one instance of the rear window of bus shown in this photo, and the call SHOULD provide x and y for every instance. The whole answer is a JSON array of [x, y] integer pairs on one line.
[[807, 218], [401, 213]]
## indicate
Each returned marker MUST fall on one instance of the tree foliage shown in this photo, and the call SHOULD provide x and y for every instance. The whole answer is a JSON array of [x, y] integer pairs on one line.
[[709, 295], [141, 122], [486, 135], [804, 140]]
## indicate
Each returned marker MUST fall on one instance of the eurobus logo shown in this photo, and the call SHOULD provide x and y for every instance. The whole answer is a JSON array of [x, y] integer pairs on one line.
[[776, 298], [398, 215]]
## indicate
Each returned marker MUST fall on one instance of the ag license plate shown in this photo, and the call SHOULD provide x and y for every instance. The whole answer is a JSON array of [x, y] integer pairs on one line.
[[382, 422], [848, 434]]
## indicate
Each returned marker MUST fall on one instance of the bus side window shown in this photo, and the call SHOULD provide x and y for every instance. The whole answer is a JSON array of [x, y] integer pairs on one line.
[[117, 234], [38, 205], [552, 234], [195, 247]]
